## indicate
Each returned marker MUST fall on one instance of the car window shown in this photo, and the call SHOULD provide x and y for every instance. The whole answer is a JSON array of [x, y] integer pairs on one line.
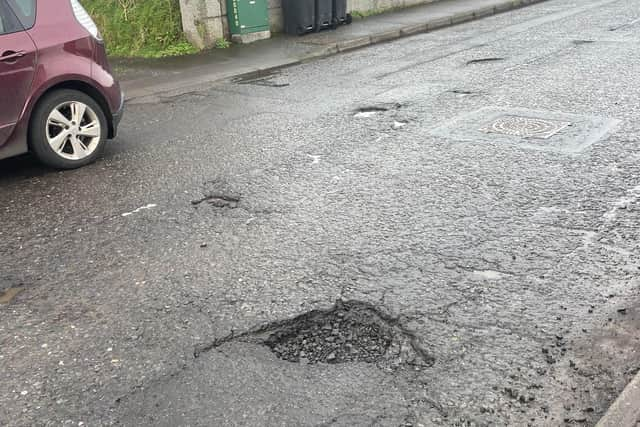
[[8, 21], [25, 10]]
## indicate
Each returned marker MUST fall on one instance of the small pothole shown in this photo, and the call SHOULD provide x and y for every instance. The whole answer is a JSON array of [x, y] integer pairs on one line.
[[484, 60], [219, 200], [580, 42], [349, 332], [218, 193], [372, 110], [464, 92]]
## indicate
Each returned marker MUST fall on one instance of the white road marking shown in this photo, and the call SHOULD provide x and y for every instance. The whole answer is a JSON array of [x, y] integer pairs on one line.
[[149, 206]]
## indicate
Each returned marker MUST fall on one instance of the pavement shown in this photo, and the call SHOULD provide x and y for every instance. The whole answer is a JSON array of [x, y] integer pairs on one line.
[[142, 78], [625, 411], [445, 225]]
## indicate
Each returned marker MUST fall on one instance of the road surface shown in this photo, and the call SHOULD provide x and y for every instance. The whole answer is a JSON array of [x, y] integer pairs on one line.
[[468, 199]]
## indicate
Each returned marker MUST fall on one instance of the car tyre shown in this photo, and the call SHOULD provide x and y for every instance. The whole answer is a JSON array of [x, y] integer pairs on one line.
[[68, 129]]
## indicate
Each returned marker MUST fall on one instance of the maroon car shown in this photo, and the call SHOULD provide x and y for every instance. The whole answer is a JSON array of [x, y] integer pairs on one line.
[[58, 98]]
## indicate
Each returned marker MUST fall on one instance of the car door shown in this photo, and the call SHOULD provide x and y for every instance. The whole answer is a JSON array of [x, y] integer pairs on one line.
[[17, 67]]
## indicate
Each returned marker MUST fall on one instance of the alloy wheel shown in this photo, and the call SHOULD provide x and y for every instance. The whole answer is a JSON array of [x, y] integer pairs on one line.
[[73, 130]]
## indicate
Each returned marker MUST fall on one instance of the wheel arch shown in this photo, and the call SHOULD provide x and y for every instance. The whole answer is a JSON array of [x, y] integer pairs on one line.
[[85, 88]]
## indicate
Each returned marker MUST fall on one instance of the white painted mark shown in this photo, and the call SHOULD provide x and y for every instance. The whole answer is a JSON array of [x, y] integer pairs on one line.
[[365, 114], [149, 206], [488, 274], [315, 159]]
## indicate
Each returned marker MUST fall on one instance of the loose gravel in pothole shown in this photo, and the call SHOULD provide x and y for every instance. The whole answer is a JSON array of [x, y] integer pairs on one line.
[[336, 337], [350, 332]]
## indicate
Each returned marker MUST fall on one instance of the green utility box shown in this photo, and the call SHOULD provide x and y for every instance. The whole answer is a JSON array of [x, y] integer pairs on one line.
[[248, 16]]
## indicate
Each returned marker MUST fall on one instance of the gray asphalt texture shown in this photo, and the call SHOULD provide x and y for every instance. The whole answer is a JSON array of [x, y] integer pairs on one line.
[[252, 202]]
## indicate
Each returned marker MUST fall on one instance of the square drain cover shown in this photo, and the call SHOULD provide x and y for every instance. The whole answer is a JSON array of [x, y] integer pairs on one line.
[[532, 129], [525, 127]]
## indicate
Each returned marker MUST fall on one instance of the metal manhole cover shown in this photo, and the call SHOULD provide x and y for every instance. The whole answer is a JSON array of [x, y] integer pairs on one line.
[[532, 129], [525, 127]]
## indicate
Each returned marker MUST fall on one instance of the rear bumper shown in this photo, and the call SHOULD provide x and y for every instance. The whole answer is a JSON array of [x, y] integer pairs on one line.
[[117, 117]]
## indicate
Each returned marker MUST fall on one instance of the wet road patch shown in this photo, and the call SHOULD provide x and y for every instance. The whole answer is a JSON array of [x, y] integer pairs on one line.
[[269, 78]]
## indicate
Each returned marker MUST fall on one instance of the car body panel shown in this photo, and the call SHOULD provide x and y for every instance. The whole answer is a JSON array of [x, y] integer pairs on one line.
[[16, 78], [67, 56]]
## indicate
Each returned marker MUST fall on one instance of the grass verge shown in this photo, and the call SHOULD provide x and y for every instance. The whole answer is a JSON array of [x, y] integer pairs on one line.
[[140, 28]]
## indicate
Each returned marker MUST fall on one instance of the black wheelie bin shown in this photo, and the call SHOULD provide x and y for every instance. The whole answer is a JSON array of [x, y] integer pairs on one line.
[[299, 16], [324, 14], [340, 15]]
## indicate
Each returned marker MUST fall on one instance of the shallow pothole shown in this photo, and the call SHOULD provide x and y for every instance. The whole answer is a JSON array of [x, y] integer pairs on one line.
[[465, 92], [219, 200], [372, 110], [581, 42], [219, 194], [484, 60], [349, 332]]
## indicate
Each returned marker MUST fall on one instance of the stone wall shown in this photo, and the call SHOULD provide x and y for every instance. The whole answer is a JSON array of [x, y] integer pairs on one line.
[[204, 21]]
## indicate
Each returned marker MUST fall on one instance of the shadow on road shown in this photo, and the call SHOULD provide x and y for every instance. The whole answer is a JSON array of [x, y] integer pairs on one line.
[[21, 167]]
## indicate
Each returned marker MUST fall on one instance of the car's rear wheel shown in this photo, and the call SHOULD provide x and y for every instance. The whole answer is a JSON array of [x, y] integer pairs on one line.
[[68, 129]]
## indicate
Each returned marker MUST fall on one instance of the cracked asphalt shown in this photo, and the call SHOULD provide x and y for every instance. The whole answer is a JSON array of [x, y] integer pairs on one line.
[[246, 203]]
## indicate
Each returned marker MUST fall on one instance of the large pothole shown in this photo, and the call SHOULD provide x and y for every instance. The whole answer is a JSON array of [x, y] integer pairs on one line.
[[345, 334], [349, 332]]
